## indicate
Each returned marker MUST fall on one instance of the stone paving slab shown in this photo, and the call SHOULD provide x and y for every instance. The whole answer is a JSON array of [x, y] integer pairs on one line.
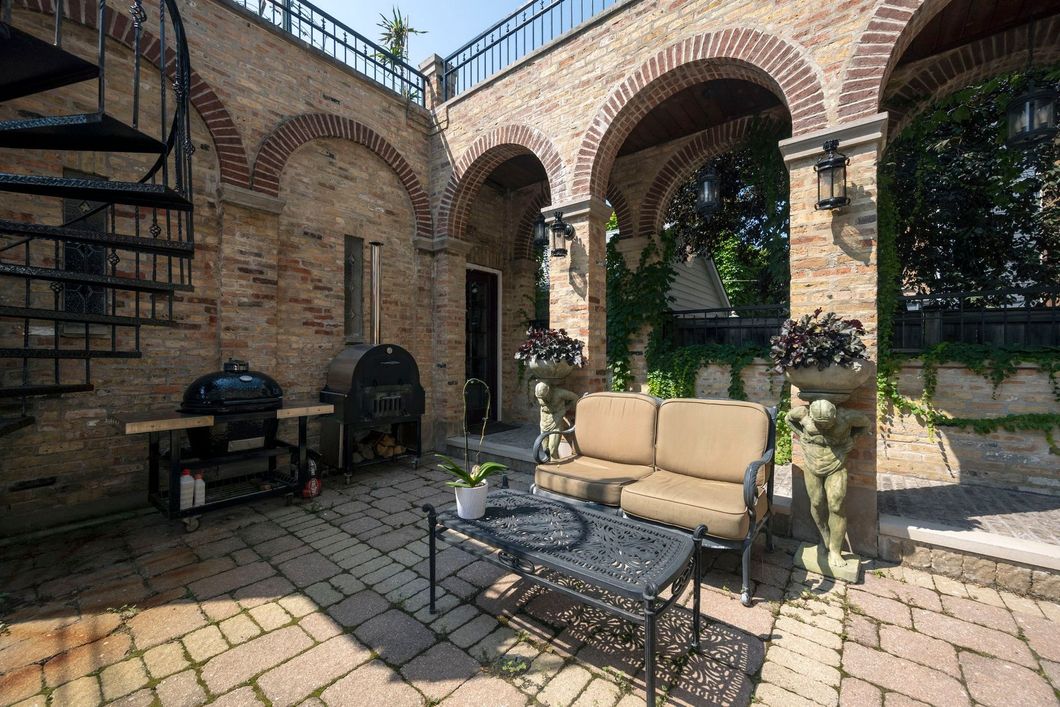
[[324, 603]]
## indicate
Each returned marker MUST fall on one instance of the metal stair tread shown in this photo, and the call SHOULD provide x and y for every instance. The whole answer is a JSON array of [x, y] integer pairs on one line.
[[122, 283], [13, 424], [95, 132], [20, 391], [129, 193], [51, 67], [158, 246], [80, 317], [67, 353]]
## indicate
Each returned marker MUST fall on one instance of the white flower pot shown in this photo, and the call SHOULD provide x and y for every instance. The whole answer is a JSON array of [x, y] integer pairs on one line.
[[471, 502]]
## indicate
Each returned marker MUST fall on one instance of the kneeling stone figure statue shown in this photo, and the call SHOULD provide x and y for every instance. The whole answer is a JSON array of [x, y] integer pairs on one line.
[[826, 436]]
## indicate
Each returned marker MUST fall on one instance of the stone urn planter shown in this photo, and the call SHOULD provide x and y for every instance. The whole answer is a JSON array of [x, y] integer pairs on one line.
[[833, 383], [549, 371]]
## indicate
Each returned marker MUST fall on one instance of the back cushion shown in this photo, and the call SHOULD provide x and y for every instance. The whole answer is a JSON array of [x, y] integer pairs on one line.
[[618, 427], [710, 439]]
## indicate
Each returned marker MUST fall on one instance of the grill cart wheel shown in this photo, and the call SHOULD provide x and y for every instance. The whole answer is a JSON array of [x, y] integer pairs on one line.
[[191, 525]]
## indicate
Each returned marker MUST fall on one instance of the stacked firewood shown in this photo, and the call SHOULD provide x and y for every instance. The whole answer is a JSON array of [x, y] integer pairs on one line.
[[377, 445]]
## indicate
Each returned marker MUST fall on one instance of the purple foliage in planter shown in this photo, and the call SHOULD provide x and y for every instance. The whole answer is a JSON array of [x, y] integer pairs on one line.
[[551, 345], [816, 340]]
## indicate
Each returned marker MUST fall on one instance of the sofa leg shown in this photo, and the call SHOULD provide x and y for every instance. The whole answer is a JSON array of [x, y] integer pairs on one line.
[[745, 591]]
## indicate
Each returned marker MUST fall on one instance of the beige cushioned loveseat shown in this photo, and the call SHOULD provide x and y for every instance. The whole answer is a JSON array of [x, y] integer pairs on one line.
[[681, 463]]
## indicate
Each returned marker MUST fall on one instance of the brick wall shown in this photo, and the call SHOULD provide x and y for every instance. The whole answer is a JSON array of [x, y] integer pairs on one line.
[[268, 264]]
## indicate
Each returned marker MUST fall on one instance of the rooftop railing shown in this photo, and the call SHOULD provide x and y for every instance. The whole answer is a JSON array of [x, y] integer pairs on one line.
[[321, 31], [533, 25]]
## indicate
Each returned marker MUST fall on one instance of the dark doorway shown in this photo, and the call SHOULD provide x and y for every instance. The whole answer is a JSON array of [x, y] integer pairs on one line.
[[482, 355]]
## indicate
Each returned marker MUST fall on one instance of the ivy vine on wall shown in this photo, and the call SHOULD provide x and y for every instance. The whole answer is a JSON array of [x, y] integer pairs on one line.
[[949, 184]]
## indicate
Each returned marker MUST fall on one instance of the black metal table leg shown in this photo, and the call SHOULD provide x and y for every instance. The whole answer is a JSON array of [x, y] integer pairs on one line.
[[432, 531], [174, 474], [649, 643], [697, 577], [303, 454]]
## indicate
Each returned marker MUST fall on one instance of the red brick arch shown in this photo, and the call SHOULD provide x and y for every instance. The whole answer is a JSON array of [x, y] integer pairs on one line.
[[623, 214], [485, 155], [680, 168], [295, 132], [889, 31], [915, 87], [231, 155], [739, 52]]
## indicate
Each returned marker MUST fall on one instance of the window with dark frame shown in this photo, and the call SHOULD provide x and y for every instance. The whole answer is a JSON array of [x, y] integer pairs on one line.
[[353, 286], [84, 257]]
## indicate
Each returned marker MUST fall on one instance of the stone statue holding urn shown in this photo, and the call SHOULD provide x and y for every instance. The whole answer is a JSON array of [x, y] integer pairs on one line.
[[823, 356], [551, 355], [826, 435]]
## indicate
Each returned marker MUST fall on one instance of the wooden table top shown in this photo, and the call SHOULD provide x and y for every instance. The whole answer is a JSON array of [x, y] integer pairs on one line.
[[166, 420]]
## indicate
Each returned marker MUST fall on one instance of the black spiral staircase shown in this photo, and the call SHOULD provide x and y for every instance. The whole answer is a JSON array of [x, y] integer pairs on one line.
[[117, 252]]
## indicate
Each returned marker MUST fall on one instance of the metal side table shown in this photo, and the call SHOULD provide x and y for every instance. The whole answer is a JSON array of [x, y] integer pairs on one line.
[[538, 537]]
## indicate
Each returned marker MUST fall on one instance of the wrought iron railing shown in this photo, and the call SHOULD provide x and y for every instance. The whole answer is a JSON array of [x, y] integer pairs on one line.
[[321, 31], [732, 326], [533, 25], [1019, 318]]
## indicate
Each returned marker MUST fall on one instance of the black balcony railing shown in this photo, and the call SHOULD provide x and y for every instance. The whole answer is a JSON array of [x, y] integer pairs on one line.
[[321, 31], [533, 25], [752, 325], [1023, 318]]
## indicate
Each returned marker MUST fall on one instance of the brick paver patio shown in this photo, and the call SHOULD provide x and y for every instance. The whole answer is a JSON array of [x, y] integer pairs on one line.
[[324, 603]]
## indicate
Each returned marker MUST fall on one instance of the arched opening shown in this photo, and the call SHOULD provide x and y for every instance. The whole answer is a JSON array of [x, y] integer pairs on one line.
[[499, 198], [969, 250], [681, 279]]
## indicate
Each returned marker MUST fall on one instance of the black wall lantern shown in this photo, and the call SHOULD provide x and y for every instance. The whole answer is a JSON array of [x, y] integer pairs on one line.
[[1032, 114], [832, 178], [708, 192], [561, 233], [540, 233]]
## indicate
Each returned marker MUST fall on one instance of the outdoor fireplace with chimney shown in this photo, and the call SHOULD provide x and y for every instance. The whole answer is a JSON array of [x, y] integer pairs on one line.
[[378, 399]]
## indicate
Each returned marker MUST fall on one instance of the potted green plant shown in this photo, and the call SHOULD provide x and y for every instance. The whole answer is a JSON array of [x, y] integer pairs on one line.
[[470, 485], [550, 354], [822, 355]]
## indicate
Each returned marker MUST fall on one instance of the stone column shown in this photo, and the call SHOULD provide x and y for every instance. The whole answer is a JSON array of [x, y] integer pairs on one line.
[[578, 288], [433, 67], [246, 308], [834, 266], [447, 368]]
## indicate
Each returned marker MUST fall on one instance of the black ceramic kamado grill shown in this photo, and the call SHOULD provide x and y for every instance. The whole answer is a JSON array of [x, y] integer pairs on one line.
[[225, 394]]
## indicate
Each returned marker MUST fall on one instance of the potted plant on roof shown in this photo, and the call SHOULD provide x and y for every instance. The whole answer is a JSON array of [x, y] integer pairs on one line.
[[551, 355], [471, 484], [822, 355]]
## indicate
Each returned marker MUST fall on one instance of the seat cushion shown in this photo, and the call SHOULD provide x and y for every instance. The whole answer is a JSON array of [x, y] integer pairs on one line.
[[589, 479], [711, 439], [619, 427], [686, 502]]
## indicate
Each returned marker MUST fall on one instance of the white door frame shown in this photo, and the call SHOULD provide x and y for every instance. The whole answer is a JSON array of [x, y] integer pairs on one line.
[[499, 393]]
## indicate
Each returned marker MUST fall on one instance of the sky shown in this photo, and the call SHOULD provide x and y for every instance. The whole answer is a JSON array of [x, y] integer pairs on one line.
[[449, 23]]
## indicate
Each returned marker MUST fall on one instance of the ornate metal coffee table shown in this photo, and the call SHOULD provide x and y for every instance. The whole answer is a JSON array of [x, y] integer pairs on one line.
[[625, 558]]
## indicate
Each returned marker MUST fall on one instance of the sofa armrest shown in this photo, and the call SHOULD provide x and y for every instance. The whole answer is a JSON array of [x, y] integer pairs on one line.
[[751, 487], [539, 450]]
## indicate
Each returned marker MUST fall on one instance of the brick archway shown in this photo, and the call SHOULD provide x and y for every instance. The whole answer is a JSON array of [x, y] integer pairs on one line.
[[231, 155], [485, 155], [623, 214], [680, 168], [889, 31], [277, 148], [914, 88], [740, 53]]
